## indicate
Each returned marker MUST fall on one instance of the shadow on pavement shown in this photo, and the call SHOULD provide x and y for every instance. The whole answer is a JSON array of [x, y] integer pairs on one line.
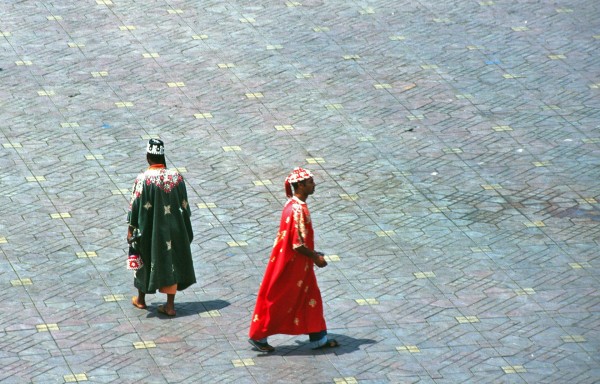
[[302, 348], [190, 308]]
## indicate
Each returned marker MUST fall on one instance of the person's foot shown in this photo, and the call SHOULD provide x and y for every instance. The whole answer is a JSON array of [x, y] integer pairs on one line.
[[166, 310], [138, 303], [262, 347], [331, 343]]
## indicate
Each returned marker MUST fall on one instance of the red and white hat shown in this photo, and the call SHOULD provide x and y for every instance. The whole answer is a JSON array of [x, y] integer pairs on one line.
[[298, 174]]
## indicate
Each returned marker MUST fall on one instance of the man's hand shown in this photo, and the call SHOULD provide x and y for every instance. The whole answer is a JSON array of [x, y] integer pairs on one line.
[[320, 260]]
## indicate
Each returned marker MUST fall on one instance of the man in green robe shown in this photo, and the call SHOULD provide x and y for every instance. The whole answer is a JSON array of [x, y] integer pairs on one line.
[[159, 211]]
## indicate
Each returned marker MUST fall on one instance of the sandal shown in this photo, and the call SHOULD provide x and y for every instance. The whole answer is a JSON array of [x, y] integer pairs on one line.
[[262, 347], [331, 343]]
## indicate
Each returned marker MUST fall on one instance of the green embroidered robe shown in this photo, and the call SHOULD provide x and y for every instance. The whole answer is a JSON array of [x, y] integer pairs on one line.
[[160, 210]]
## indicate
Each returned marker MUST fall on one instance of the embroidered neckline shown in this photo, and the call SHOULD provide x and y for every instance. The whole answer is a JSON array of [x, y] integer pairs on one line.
[[164, 179]]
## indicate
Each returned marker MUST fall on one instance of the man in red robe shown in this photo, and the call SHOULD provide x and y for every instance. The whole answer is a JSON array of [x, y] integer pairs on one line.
[[289, 300]]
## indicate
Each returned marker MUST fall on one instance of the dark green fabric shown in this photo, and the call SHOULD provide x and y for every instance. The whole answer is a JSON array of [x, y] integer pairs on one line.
[[160, 209]]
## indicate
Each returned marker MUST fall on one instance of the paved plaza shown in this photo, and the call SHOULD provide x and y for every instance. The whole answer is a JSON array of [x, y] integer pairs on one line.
[[456, 150]]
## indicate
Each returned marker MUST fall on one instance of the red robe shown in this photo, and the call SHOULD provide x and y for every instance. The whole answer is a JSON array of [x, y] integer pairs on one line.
[[289, 300]]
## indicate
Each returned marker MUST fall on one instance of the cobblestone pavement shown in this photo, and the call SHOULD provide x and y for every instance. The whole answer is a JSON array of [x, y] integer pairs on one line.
[[456, 148]]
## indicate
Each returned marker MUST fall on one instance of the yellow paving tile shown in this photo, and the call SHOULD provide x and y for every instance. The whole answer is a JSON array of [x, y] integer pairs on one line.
[[237, 243], [63, 215], [255, 95], [47, 327], [345, 380], [69, 125], [84, 255], [20, 282], [212, 313], [242, 362], [581, 265], [382, 86], [367, 301], [525, 291], [12, 145], [408, 348], [112, 298], [510, 369], [467, 319], [424, 275], [537, 223], [76, 378], [573, 339], [144, 344], [542, 163]]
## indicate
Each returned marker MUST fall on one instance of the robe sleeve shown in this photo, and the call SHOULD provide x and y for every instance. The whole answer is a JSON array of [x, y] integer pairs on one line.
[[132, 214], [299, 226], [186, 212]]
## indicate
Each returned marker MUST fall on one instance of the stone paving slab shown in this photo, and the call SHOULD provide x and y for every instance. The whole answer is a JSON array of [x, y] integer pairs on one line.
[[455, 146]]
